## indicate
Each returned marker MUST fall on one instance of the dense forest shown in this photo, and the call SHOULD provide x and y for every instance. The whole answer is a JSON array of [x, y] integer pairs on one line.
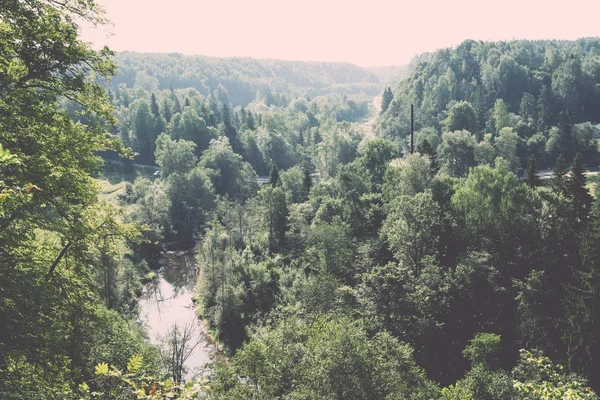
[[332, 262], [537, 96], [237, 80]]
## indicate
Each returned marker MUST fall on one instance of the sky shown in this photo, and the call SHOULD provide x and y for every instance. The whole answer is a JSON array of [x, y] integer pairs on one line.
[[364, 32]]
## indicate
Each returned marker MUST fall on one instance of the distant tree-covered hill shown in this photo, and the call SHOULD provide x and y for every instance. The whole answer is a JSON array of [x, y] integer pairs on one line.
[[394, 74], [529, 86], [237, 80]]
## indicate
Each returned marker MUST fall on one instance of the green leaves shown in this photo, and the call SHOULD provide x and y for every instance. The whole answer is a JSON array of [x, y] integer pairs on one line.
[[134, 364], [101, 369], [6, 158], [483, 349], [15, 70], [552, 382]]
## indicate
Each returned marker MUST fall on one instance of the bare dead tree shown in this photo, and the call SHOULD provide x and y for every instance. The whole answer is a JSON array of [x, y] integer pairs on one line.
[[177, 346]]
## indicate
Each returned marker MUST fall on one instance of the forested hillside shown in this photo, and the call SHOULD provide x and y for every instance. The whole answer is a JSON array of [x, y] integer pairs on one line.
[[329, 264], [237, 80], [534, 95]]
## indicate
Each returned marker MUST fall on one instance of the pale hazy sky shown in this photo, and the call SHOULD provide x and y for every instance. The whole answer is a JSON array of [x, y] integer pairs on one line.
[[365, 32]]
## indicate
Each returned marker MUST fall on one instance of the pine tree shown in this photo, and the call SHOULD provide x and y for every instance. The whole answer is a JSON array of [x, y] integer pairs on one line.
[[306, 184], [559, 180], [177, 106], [582, 305], [242, 116], [154, 106], [166, 110], [250, 121], [533, 179], [274, 179], [276, 212], [229, 130], [214, 110], [544, 109], [386, 99], [186, 103], [575, 185], [225, 116], [317, 137]]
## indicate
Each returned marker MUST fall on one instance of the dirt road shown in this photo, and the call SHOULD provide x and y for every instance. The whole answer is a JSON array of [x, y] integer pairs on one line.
[[367, 127]]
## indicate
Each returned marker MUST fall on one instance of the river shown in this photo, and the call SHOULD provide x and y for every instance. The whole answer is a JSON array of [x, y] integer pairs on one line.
[[167, 301]]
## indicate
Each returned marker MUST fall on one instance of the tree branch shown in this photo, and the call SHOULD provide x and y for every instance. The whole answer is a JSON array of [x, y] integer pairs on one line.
[[55, 263]]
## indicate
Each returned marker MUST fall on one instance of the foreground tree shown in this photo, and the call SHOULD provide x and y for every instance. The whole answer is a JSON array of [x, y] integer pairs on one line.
[[577, 190], [330, 358], [53, 230]]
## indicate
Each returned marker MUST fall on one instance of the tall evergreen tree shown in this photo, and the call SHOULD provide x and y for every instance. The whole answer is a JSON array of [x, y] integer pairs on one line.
[[214, 110], [559, 180], [225, 116], [166, 110], [575, 185], [154, 106], [306, 184], [544, 109], [186, 103], [386, 99], [582, 305], [274, 179], [177, 106], [533, 179], [242, 116], [276, 213], [250, 121]]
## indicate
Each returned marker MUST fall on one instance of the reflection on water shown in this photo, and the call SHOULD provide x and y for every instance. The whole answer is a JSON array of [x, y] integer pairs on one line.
[[168, 300]]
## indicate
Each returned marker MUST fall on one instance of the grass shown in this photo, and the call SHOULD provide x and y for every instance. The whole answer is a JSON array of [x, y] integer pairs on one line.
[[110, 192], [112, 182]]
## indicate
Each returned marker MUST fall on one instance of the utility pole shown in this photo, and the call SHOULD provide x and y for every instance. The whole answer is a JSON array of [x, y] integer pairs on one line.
[[412, 128]]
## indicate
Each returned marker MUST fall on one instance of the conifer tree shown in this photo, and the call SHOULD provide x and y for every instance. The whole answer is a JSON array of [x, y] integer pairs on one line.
[[386, 99], [575, 185], [544, 109], [242, 116], [274, 179], [306, 184], [230, 131], [276, 213], [582, 304], [559, 175], [186, 103], [317, 138], [166, 110], [154, 106], [250, 121], [177, 106], [533, 179], [225, 116]]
